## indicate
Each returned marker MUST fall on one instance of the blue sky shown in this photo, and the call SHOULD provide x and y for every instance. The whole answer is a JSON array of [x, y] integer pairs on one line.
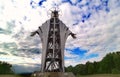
[[96, 24]]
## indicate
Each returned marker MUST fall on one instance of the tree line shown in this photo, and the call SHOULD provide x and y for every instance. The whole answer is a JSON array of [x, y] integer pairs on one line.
[[110, 64], [5, 68]]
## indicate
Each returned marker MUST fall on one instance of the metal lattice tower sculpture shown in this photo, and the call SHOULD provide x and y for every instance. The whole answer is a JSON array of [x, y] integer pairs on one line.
[[53, 56], [53, 35]]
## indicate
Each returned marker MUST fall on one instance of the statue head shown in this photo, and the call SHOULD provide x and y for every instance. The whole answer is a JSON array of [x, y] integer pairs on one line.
[[54, 14]]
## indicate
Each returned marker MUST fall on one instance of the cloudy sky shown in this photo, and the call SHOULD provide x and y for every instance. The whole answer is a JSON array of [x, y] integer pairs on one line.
[[95, 22]]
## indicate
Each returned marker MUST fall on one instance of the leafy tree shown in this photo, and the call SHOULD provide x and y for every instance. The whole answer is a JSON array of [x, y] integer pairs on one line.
[[80, 69], [96, 67], [69, 69], [109, 64], [90, 68], [116, 58], [115, 71], [5, 68]]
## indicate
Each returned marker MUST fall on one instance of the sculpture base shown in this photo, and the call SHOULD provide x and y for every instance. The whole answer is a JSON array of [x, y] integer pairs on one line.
[[53, 74]]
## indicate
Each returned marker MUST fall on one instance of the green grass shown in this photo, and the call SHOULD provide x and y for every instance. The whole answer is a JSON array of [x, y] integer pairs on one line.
[[9, 76], [97, 75], [101, 75]]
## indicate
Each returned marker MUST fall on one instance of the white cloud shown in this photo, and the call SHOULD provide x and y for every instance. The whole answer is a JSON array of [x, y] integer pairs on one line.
[[22, 64], [25, 68], [99, 34], [18, 60], [6, 38]]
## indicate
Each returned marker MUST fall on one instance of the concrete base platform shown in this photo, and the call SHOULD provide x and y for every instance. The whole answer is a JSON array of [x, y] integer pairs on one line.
[[53, 74]]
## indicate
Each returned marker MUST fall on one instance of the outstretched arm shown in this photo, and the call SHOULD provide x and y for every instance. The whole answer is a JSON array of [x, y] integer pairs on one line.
[[73, 35], [34, 33]]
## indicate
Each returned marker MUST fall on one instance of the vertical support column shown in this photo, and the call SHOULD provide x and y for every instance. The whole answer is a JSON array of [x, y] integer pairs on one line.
[[53, 61]]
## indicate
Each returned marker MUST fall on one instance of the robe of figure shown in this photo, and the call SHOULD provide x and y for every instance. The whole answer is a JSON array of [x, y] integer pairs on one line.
[[43, 32]]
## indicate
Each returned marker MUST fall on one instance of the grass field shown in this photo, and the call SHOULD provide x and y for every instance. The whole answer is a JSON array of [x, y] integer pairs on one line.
[[9, 76], [101, 75], [98, 75]]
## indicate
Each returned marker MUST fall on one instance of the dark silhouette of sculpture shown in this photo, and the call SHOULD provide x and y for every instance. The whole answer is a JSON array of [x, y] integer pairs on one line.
[[53, 34]]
